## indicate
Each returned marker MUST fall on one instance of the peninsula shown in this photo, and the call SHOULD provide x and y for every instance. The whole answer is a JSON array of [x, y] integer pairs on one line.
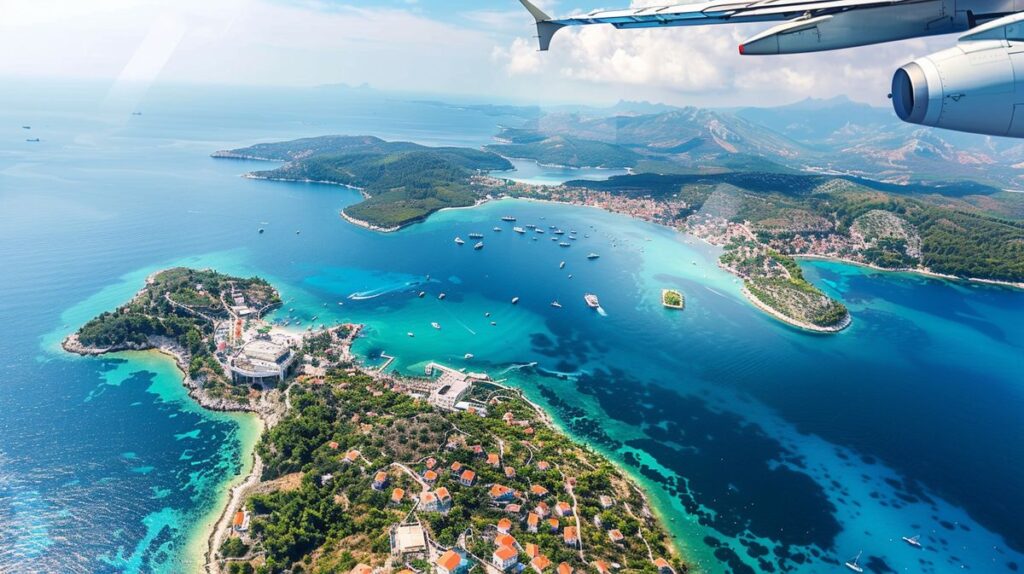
[[401, 182], [362, 471]]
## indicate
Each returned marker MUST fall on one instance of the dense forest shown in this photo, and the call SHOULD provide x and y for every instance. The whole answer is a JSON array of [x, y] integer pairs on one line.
[[565, 150]]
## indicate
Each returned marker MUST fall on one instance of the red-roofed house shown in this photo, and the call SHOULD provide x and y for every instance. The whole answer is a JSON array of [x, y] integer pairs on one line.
[[506, 540], [663, 566], [493, 460], [616, 536], [553, 524], [543, 465], [449, 562], [532, 550], [513, 508], [510, 472], [563, 509], [542, 509], [505, 557], [380, 480], [538, 490], [569, 536], [333, 445], [564, 568], [456, 468], [397, 496], [602, 567], [540, 563], [467, 477], [430, 462], [531, 522], [499, 492], [351, 456], [504, 525], [430, 477]]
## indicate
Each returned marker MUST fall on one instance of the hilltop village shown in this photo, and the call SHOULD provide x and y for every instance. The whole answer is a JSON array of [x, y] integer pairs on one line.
[[364, 471]]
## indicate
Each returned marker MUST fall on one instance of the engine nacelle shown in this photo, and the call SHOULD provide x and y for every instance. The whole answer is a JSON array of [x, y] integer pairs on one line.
[[977, 86]]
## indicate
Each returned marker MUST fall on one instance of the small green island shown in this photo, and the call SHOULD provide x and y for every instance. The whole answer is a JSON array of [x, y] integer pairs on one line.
[[672, 299], [401, 182], [361, 471]]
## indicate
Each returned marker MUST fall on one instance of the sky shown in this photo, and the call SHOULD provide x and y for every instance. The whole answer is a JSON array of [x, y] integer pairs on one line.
[[474, 48]]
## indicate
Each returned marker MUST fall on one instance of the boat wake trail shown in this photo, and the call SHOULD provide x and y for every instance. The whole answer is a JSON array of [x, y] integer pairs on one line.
[[518, 367], [384, 290], [601, 312]]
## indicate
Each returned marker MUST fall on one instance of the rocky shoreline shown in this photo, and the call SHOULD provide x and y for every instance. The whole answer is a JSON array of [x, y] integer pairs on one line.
[[846, 322]]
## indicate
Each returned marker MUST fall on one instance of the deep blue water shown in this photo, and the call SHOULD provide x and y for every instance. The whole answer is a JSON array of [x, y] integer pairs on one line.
[[766, 448]]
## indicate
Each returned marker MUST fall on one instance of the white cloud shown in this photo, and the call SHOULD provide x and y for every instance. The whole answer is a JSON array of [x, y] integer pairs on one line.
[[702, 65]]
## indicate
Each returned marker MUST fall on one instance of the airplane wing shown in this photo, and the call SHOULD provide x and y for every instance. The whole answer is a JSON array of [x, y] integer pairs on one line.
[[703, 13]]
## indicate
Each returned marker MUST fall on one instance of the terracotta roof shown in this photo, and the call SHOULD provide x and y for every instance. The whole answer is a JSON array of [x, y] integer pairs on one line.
[[540, 562], [442, 493], [538, 490], [449, 560], [554, 523], [239, 518], [352, 455], [468, 475], [456, 466], [427, 497], [506, 553], [662, 563], [569, 534], [498, 490], [532, 519], [601, 566], [333, 445], [492, 458], [397, 495], [532, 549], [430, 476], [504, 524], [563, 568], [504, 540], [380, 476], [615, 535]]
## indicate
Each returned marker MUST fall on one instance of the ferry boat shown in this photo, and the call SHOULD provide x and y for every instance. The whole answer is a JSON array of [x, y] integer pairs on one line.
[[518, 230], [435, 325], [561, 265], [508, 218], [441, 296], [593, 256], [556, 304], [476, 235], [592, 301], [852, 564], [515, 300], [479, 246], [459, 241], [914, 541], [565, 244]]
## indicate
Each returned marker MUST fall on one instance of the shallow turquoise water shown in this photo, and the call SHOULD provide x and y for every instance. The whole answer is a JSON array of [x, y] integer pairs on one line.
[[766, 448]]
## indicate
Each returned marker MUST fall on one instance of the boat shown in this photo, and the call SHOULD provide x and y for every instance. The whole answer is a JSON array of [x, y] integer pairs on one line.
[[540, 231], [441, 296], [565, 244], [32, 140], [531, 226], [559, 232], [136, 113], [497, 230], [421, 294], [493, 323], [508, 218], [591, 301], [468, 356], [593, 256], [479, 245], [459, 241], [570, 276], [518, 230], [435, 325], [561, 265], [852, 564], [556, 304], [554, 239], [914, 541], [261, 230], [515, 300], [476, 235], [26, 127], [411, 334], [297, 232]]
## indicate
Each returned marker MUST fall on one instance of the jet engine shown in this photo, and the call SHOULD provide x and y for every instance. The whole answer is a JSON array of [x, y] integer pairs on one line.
[[977, 86]]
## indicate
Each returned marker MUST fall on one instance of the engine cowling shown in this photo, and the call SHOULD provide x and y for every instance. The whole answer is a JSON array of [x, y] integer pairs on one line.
[[977, 86]]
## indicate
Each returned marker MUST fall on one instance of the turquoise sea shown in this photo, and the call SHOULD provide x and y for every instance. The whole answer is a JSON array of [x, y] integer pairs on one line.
[[765, 448]]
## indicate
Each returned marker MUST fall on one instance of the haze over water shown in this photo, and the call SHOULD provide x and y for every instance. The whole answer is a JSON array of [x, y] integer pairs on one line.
[[764, 447]]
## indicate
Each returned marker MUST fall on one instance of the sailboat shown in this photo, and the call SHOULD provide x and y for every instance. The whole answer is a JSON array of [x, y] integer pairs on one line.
[[556, 304], [914, 541], [852, 564], [459, 241]]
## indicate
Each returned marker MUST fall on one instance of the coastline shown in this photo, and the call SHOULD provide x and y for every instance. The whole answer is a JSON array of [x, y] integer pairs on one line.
[[846, 322], [210, 531], [914, 270]]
